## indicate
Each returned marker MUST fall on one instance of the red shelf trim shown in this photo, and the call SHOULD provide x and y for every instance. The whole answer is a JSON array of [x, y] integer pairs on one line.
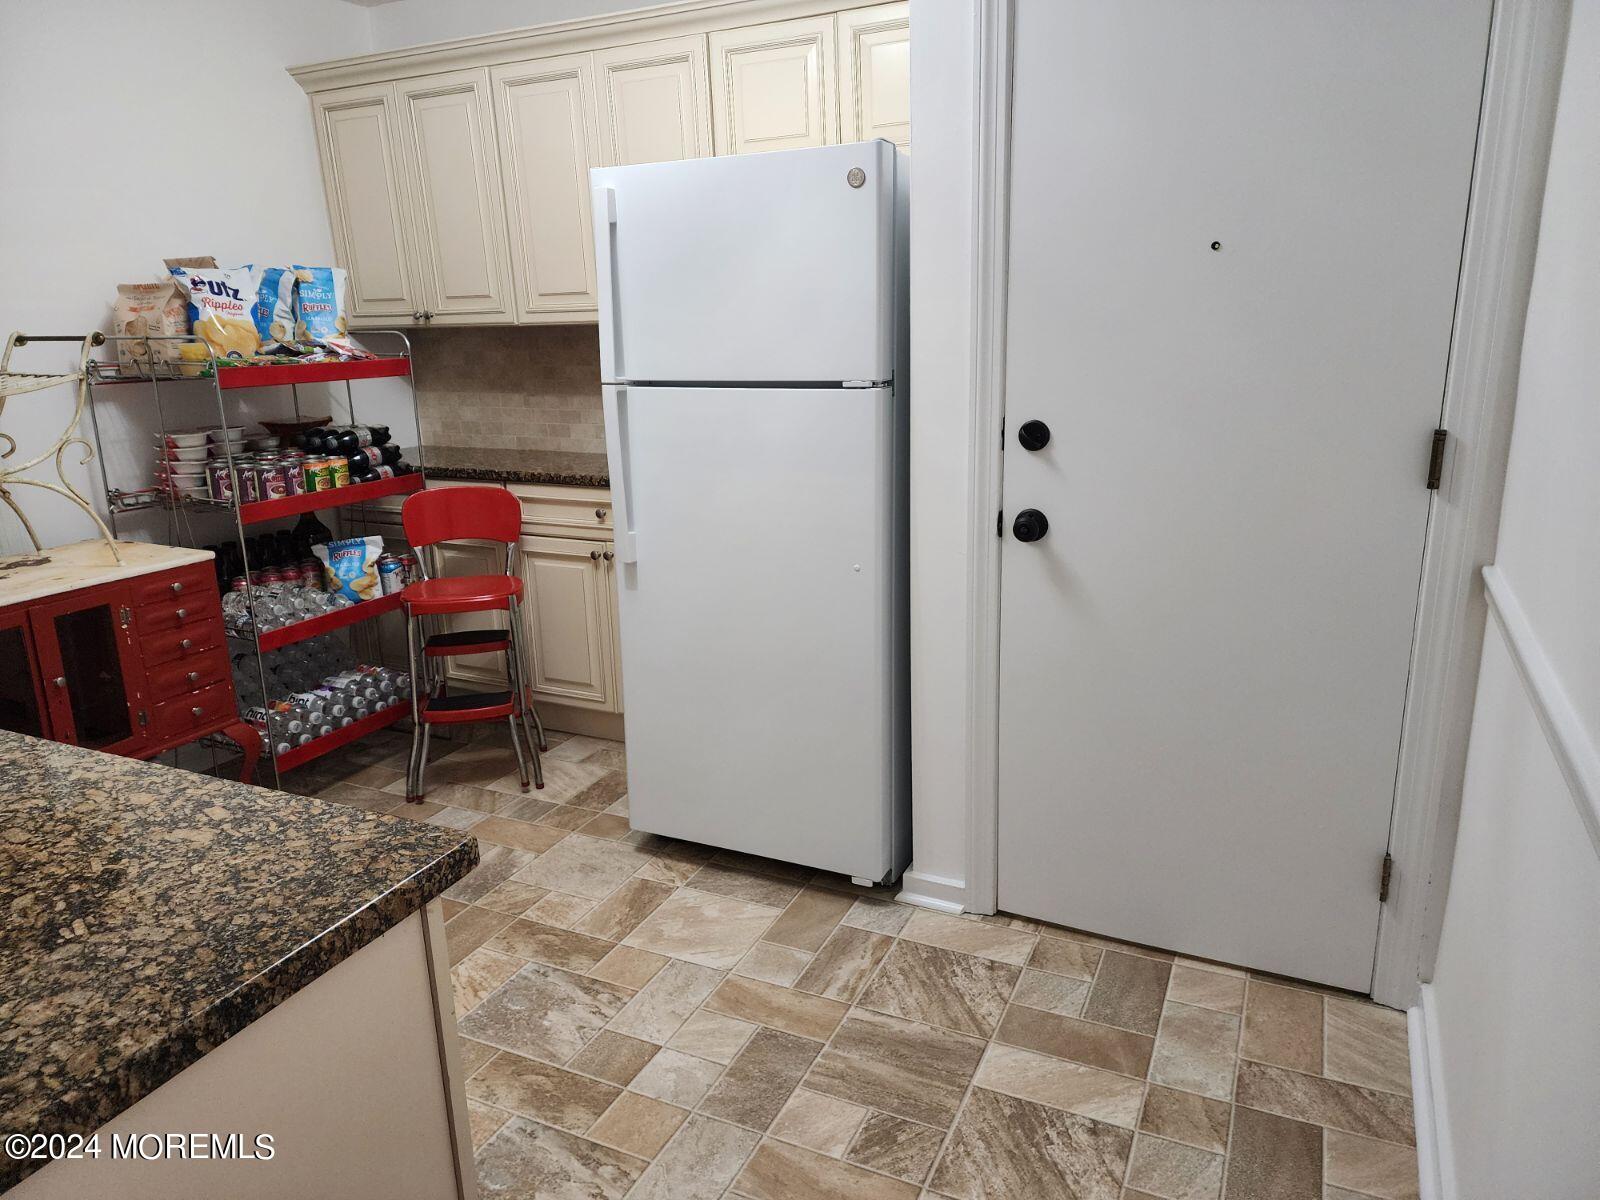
[[281, 374], [344, 735], [354, 493], [273, 639]]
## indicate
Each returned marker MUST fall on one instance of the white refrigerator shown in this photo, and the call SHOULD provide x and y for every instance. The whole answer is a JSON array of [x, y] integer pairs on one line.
[[753, 359]]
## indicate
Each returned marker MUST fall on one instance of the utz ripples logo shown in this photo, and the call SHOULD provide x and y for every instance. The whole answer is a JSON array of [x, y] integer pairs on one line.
[[217, 287]]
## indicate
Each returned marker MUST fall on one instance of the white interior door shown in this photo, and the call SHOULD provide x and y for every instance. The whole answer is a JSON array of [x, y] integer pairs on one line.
[[1235, 236]]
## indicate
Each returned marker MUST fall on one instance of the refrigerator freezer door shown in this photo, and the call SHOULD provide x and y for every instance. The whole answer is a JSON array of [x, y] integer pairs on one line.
[[757, 621], [756, 268]]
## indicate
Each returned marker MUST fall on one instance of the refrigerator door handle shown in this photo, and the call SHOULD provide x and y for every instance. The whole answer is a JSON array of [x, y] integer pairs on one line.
[[605, 236], [615, 397]]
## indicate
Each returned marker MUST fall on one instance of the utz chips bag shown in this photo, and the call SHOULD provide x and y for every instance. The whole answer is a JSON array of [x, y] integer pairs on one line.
[[321, 318], [351, 566], [222, 302], [274, 310]]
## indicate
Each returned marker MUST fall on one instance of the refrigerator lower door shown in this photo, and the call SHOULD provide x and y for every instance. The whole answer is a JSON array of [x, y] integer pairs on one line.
[[758, 619]]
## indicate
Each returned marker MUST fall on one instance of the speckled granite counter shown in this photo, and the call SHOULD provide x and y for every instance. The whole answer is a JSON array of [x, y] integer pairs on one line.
[[149, 914], [493, 465]]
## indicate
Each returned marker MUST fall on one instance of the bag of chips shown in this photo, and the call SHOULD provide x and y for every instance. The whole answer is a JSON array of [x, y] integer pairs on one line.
[[222, 301], [321, 315], [154, 310], [274, 310], [350, 566]]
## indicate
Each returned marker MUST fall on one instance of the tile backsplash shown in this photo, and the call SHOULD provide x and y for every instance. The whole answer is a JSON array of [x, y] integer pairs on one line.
[[524, 387]]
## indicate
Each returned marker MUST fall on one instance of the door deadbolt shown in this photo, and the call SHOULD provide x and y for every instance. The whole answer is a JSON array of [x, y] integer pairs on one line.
[[1034, 435], [1030, 525]]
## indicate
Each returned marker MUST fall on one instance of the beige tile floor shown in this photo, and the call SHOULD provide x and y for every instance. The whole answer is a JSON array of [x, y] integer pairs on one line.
[[661, 1021]]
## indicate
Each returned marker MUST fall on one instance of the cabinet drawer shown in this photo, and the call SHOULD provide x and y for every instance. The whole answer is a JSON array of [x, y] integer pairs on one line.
[[564, 511], [187, 582], [189, 674], [186, 644], [181, 613], [193, 713]]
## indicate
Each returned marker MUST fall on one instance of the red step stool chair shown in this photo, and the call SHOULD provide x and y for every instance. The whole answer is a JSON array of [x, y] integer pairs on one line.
[[488, 514]]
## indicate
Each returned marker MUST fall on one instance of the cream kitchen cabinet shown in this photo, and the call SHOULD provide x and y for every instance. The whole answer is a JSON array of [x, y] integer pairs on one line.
[[570, 612], [875, 74], [654, 102], [772, 86]]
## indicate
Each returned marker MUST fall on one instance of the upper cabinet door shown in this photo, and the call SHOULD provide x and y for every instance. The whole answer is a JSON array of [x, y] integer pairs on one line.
[[545, 113], [447, 125], [654, 102], [875, 73], [358, 139], [772, 86]]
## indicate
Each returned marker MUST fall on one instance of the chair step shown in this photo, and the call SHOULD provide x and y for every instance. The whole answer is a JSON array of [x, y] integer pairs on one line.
[[466, 641], [467, 706]]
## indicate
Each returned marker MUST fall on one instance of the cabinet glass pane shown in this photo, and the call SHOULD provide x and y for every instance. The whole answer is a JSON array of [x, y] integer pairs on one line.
[[19, 711], [88, 641]]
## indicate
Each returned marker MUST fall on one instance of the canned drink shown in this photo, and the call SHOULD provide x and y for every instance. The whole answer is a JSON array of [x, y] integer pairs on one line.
[[271, 575], [341, 472], [294, 477], [408, 564], [291, 575], [247, 484], [239, 584], [318, 474], [269, 480], [220, 481], [391, 574]]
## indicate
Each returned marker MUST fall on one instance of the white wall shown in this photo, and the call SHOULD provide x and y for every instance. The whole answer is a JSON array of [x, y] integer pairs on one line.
[[1512, 1003], [413, 22], [134, 132]]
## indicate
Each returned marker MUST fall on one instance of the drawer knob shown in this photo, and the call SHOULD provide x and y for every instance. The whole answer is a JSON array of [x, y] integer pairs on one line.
[[197, 711], [176, 588], [60, 681], [192, 676], [608, 556], [599, 514], [185, 644], [595, 554], [181, 613]]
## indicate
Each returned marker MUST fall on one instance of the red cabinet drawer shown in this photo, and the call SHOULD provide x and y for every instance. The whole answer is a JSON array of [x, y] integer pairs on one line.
[[176, 614], [187, 643], [189, 674], [184, 583], [191, 714]]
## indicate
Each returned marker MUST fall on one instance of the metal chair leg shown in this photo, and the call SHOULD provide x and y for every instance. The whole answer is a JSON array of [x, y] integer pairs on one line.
[[422, 760], [413, 779], [516, 744], [516, 669]]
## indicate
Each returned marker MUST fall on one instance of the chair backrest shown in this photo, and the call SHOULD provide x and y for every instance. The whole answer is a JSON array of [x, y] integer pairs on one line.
[[489, 514]]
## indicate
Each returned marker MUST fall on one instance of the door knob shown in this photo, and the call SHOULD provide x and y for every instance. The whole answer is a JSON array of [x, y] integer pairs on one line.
[[1034, 435], [1030, 525]]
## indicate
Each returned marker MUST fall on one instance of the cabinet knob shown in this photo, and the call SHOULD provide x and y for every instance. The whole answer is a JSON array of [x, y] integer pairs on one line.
[[193, 676], [60, 681], [181, 613], [417, 316], [176, 588], [599, 514], [185, 644], [197, 711], [595, 554], [608, 556]]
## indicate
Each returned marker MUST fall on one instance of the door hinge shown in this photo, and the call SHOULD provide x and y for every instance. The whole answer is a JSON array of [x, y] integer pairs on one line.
[[125, 614], [1385, 874], [144, 718], [1436, 459]]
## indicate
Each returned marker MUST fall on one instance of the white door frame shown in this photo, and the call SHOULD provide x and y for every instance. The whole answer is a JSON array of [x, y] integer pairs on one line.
[[1526, 46]]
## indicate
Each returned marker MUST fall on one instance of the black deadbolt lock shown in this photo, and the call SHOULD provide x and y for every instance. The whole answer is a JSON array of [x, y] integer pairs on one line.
[[1030, 525], [1034, 435]]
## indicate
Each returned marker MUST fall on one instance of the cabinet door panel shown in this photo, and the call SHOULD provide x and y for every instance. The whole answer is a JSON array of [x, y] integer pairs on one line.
[[547, 139], [875, 73], [22, 706], [772, 86], [568, 608], [454, 176], [479, 671], [654, 102], [359, 144], [93, 676]]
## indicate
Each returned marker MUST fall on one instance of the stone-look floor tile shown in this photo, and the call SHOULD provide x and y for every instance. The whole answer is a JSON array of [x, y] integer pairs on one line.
[[580, 747], [547, 944], [1196, 1051], [878, 916], [453, 818], [355, 796], [619, 914], [478, 974], [969, 937], [1061, 957], [527, 1159], [844, 964], [415, 812], [1207, 989], [637, 1124], [773, 963], [1104, 943], [513, 898], [743, 885], [473, 764], [896, 1147], [474, 1054], [666, 1001], [541, 1091], [1081, 1041], [471, 928], [1128, 992], [628, 967], [714, 931], [779, 1171], [825, 1124], [524, 835], [676, 1078], [809, 919], [561, 909], [698, 1163], [761, 1079], [1345, 1106], [1185, 1117], [611, 759], [1003, 1148], [484, 1122], [614, 1057], [449, 908], [565, 816], [1283, 1026], [562, 780], [1273, 1158], [779, 1008], [672, 865], [545, 1013], [1206, 964], [897, 1066], [1174, 1171], [1051, 993], [1368, 1166], [462, 797], [583, 866], [941, 987], [793, 872], [496, 864], [1367, 1045], [603, 792], [712, 1036], [1087, 1091]]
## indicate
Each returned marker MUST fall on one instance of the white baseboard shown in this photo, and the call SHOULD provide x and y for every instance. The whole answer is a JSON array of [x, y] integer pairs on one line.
[[1435, 1176], [933, 891]]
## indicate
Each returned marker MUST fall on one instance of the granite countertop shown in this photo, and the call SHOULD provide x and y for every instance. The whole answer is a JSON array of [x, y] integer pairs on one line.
[[149, 914], [495, 465]]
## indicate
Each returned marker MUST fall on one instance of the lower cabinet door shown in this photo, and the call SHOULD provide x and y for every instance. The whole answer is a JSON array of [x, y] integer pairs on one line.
[[480, 672], [22, 705], [93, 676], [567, 608]]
